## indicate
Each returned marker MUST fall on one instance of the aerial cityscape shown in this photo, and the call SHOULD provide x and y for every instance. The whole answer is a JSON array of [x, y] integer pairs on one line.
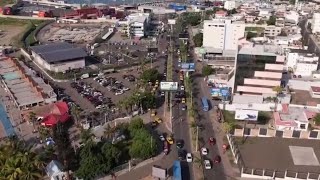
[[159, 90]]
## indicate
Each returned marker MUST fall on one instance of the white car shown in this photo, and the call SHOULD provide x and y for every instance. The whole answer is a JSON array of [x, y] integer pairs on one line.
[[162, 93], [162, 138], [125, 89], [182, 88], [207, 164], [189, 157], [204, 151], [119, 93]]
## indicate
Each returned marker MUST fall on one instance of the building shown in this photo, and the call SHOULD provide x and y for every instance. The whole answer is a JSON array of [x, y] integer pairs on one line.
[[315, 22], [272, 31], [292, 16], [302, 64], [229, 5], [292, 118], [222, 34], [138, 24], [58, 57], [221, 14]]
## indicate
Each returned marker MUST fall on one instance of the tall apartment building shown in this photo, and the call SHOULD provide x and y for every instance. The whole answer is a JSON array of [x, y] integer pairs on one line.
[[138, 24], [222, 34], [315, 23]]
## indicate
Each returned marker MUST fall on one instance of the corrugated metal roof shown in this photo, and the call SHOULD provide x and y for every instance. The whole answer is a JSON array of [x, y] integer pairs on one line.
[[59, 52]]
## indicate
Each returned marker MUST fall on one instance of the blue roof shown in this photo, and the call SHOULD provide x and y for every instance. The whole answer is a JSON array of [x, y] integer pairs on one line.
[[176, 170]]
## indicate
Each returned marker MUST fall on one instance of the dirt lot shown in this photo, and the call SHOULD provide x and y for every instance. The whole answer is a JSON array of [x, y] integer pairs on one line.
[[9, 32], [274, 153]]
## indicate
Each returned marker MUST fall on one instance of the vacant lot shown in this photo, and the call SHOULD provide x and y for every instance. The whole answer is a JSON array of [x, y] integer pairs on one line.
[[12, 30]]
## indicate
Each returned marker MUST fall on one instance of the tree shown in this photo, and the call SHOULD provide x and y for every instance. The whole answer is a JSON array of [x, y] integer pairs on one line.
[[150, 75], [198, 39], [143, 145], [111, 154], [207, 70], [19, 163], [75, 113], [148, 100], [272, 20], [232, 11], [192, 19], [277, 89], [135, 125], [109, 131], [86, 135], [317, 120], [292, 2], [251, 35], [33, 119], [228, 126]]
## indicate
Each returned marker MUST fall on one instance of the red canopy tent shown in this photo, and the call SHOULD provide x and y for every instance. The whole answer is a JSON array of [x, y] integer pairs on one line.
[[59, 113]]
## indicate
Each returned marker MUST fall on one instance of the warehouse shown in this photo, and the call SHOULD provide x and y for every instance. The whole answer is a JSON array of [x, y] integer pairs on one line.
[[59, 57]]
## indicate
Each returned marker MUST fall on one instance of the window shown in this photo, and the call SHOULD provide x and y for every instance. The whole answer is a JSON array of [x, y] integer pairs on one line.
[[302, 126]]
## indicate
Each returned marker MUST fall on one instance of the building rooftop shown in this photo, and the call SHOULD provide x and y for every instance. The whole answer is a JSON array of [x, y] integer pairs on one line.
[[274, 153], [56, 52], [137, 17], [259, 49]]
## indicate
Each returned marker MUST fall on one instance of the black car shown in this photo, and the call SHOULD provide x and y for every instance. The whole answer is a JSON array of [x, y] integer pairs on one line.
[[180, 144], [181, 154]]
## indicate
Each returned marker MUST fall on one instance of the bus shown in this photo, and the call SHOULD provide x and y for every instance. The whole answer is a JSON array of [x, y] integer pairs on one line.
[[205, 105]]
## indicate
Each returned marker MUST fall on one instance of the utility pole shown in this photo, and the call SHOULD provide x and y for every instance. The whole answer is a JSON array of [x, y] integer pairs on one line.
[[197, 138]]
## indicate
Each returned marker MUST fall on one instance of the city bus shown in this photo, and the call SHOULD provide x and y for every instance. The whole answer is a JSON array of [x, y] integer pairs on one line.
[[205, 104]]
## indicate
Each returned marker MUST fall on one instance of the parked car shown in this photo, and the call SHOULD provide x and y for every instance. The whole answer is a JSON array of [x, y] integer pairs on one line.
[[204, 151], [170, 139], [180, 144], [162, 138], [207, 164], [166, 147], [189, 157]]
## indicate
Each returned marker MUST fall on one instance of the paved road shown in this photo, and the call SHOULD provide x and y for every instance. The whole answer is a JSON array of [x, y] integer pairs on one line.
[[180, 128], [204, 119], [308, 37]]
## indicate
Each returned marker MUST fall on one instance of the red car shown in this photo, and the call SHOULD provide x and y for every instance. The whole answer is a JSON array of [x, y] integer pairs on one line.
[[212, 141], [217, 159]]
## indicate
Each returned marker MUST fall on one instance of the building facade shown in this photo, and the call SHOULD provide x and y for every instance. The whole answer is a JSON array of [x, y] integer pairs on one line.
[[315, 22], [222, 33], [302, 64], [138, 24], [272, 31]]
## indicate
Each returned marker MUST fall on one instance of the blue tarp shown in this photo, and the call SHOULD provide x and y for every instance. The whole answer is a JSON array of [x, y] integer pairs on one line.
[[177, 170], [6, 123]]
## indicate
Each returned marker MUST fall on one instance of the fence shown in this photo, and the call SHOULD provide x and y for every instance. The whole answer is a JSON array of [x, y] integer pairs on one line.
[[264, 132], [247, 172]]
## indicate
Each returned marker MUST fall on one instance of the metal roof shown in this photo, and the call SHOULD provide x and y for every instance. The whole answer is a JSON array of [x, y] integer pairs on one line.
[[58, 52]]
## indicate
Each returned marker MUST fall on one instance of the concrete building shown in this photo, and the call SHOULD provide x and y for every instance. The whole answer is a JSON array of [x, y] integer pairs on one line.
[[222, 34], [302, 64], [138, 24], [292, 16], [229, 5], [272, 31], [58, 57], [315, 22]]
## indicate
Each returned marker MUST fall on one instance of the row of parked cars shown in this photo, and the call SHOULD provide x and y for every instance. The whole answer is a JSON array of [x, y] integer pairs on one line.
[[93, 95], [112, 85]]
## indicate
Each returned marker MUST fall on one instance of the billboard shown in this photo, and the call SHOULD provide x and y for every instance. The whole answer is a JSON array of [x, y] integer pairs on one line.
[[220, 92], [187, 66], [246, 115], [215, 92], [172, 21], [168, 86]]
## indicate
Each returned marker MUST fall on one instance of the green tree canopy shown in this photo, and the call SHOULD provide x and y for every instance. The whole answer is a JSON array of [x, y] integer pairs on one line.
[[135, 125], [150, 75], [272, 20], [251, 35], [317, 120], [143, 145], [198, 39], [192, 19], [207, 70]]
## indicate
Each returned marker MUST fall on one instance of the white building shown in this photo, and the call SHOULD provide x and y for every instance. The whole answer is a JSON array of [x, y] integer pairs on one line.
[[59, 57], [272, 31], [292, 16], [315, 22], [229, 5], [222, 34], [302, 64], [138, 24]]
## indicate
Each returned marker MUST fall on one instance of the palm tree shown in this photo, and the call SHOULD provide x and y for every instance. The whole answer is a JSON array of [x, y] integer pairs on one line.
[[75, 113], [86, 135], [109, 131], [32, 118], [278, 90], [228, 126]]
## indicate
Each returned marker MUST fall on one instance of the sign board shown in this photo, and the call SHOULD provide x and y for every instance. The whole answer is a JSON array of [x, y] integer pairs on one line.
[[188, 67], [215, 92], [220, 92], [171, 21], [246, 115], [168, 86]]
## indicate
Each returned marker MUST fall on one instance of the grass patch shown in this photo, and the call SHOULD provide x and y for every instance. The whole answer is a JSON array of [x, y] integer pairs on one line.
[[228, 116], [6, 2], [257, 29], [29, 27]]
